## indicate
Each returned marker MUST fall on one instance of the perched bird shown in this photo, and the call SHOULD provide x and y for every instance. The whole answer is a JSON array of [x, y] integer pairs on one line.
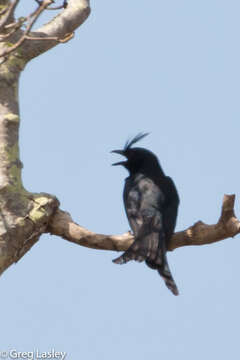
[[151, 203]]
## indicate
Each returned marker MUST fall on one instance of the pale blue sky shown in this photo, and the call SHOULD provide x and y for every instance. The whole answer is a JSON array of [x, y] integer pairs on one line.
[[170, 68]]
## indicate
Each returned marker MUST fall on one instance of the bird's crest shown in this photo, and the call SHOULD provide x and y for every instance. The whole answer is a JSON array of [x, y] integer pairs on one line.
[[136, 138]]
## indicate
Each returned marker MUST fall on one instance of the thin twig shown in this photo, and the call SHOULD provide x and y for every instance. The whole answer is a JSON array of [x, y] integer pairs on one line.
[[8, 35], [56, 7], [63, 6], [66, 38], [15, 27], [21, 20], [8, 14], [32, 19]]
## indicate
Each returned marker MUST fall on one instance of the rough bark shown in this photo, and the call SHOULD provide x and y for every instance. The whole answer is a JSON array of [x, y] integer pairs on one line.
[[24, 216]]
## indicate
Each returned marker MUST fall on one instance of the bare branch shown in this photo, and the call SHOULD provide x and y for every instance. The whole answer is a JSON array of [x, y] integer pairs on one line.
[[228, 225], [63, 6], [14, 26], [32, 19], [57, 29], [64, 40], [8, 14], [62, 225]]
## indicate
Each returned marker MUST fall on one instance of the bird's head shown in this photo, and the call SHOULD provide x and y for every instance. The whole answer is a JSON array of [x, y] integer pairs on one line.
[[137, 159]]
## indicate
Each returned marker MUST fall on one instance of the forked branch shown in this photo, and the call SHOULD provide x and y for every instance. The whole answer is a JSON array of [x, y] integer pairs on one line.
[[13, 29], [8, 13], [32, 18]]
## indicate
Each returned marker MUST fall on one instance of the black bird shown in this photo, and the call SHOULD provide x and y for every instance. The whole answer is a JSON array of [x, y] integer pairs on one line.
[[151, 203]]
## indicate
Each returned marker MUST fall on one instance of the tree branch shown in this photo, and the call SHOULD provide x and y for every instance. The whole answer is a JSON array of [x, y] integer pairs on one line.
[[57, 29], [8, 14], [64, 5], [31, 21], [61, 224], [227, 226]]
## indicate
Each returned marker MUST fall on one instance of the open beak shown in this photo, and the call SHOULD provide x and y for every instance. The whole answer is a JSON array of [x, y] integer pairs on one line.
[[120, 152], [119, 163]]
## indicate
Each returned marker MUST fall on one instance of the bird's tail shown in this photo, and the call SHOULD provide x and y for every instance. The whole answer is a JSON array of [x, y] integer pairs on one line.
[[145, 246], [160, 264], [167, 277], [149, 246], [138, 251]]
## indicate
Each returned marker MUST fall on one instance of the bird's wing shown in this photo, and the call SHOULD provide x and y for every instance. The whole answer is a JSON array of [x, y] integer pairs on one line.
[[170, 208], [141, 201], [132, 203]]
